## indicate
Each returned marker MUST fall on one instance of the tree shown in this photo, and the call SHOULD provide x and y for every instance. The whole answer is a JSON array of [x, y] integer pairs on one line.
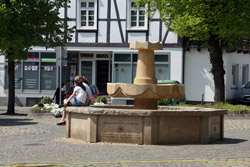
[[215, 23], [27, 23]]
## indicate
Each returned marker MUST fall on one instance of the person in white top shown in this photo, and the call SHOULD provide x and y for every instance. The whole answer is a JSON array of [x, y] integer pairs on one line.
[[79, 97], [85, 82]]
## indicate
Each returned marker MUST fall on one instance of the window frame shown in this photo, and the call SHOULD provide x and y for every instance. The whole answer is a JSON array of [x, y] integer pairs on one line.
[[133, 64], [236, 77], [22, 82], [137, 27], [79, 9], [47, 60], [246, 77]]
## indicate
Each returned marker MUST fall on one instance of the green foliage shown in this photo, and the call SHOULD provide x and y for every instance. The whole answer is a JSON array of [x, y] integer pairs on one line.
[[40, 104], [201, 19], [36, 108], [165, 102], [227, 106], [47, 100], [101, 99], [214, 23], [49, 109], [19, 79], [31, 23], [28, 23]]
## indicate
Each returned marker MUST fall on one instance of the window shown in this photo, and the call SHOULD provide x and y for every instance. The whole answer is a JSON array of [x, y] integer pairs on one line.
[[86, 14], [18, 75], [122, 68], [38, 72], [161, 66], [235, 72], [125, 66], [136, 16], [31, 75], [86, 70], [245, 73], [48, 71]]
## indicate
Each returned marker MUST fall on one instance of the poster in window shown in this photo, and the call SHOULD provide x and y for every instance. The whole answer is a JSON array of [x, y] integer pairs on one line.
[[48, 76], [31, 75]]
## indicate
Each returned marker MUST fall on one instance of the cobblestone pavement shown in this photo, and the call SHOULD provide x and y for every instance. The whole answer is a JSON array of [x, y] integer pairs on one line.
[[37, 141]]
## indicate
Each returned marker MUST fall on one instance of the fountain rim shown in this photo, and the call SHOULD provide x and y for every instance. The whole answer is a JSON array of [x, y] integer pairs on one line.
[[161, 111]]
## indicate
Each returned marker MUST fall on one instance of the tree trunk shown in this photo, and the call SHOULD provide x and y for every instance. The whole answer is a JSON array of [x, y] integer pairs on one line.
[[218, 71], [11, 98]]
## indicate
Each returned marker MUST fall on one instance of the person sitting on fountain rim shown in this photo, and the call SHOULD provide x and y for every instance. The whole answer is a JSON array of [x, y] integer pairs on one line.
[[85, 82], [79, 97]]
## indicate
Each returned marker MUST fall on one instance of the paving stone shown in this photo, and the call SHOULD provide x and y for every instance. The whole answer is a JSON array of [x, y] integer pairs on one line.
[[38, 140]]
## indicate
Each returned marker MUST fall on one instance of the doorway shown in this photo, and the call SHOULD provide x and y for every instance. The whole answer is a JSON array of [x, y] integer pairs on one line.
[[86, 70], [102, 75]]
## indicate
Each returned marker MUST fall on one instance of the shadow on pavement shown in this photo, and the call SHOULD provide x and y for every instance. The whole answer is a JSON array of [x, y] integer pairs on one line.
[[16, 114], [16, 122], [230, 141]]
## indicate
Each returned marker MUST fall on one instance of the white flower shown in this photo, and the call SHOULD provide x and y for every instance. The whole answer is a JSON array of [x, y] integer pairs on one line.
[[98, 104], [34, 106], [52, 105], [57, 111], [46, 106]]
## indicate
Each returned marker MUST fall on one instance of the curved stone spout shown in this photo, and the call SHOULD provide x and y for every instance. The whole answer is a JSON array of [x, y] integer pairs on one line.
[[146, 91]]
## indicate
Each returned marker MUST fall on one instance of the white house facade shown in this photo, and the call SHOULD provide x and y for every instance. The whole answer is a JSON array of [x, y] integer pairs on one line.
[[100, 51], [199, 83]]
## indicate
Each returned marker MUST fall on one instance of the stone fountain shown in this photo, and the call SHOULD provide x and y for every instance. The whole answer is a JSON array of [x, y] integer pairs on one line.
[[145, 91], [145, 122]]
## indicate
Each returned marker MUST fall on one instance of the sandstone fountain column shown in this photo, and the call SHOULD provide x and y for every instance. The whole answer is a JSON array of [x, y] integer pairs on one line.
[[145, 90], [145, 72]]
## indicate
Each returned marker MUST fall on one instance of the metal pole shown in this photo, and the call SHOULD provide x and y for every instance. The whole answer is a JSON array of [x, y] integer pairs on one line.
[[60, 76]]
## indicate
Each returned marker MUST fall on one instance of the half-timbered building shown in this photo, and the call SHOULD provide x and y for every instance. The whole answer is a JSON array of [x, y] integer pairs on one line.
[[100, 50]]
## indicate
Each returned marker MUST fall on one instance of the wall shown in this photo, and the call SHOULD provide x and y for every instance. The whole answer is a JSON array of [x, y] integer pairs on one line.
[[240, 59], [199, 80], [175, 63]]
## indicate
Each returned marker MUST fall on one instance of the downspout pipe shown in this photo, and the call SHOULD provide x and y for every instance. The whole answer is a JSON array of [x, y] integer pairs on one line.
[[183, 59]]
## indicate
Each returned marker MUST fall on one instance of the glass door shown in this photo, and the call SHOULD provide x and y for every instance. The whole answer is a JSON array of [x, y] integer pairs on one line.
[[86, 70]]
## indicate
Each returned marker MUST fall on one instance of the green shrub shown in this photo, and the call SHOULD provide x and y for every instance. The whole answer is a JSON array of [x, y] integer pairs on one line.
[[36, 108], [101, 99], [47, 100], [227, 106], [165, 102], [40, 104]]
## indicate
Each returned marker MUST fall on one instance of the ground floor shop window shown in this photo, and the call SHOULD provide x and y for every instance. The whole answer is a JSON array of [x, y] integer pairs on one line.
[[31, 75], [36, 73], [18, 75], [86, 70], [71, 70], [162, 72], [122, 73], [125, 66], [48, 71]]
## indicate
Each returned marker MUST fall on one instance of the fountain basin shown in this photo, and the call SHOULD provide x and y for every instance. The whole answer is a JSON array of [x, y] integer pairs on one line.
[[166, 125]]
